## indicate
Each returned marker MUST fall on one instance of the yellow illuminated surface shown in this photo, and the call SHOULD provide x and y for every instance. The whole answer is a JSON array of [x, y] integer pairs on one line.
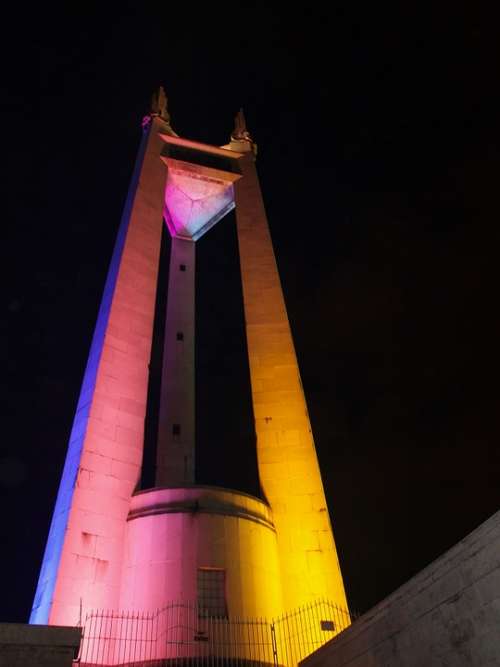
[[288, 465]]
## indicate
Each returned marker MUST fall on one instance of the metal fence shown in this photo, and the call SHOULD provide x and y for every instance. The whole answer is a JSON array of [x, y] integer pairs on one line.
[[301, 632], [181, 634]]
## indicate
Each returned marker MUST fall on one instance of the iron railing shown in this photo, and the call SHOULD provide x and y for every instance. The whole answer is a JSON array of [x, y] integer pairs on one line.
[[182, 635]]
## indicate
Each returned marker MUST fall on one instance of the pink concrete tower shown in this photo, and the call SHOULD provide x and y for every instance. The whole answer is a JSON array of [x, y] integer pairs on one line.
[[114, 546]]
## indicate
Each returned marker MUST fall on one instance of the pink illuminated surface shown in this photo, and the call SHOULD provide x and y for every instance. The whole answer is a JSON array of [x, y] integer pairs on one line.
[[194, 203]]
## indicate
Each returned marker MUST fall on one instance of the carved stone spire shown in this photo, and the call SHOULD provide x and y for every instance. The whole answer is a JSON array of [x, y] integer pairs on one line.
[[159, 104], [159, 108], [240, 132], [240, 135]]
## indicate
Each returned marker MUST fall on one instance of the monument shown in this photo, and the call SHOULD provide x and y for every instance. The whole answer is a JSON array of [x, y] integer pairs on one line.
[[113, 545]]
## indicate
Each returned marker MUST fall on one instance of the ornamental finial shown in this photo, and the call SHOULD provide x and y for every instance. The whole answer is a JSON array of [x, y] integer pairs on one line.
[[241, 133], [159, 109], [159, 103]]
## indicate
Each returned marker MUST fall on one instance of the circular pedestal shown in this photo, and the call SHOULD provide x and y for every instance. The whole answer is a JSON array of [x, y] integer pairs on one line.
[[201, 545]]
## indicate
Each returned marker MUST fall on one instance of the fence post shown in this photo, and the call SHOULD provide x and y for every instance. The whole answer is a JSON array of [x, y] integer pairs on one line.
[[275, 647]]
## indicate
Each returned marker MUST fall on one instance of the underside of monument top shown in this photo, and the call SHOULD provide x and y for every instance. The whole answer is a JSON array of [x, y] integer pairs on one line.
[[199, 189]]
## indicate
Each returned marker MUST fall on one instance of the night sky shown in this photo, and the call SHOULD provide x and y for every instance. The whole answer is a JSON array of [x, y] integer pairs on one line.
[[379, 159]]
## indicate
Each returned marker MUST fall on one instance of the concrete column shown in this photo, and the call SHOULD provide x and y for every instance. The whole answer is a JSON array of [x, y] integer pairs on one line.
[[82, 564], [176, 436], [288, 466]]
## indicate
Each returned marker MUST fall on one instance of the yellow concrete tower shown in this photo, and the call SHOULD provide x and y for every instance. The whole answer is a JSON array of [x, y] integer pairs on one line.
[[287, 461]]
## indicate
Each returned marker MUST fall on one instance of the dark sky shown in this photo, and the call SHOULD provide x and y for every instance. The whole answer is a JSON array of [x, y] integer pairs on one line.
[[379, 161]]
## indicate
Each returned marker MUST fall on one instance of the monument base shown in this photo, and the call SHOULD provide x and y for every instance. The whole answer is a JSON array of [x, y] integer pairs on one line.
[[38, 645], [212, 546]]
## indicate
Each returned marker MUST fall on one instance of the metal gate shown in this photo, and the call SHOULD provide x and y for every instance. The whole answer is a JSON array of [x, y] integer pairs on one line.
[[182, 634]]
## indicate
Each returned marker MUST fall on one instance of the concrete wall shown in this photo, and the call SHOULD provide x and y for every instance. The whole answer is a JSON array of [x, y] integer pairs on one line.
[[173, 532], [448, 614], [38, 645]]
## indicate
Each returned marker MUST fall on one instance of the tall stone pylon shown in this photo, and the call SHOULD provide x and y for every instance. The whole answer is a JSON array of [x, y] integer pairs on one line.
[[286, 454], [115, 546]]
